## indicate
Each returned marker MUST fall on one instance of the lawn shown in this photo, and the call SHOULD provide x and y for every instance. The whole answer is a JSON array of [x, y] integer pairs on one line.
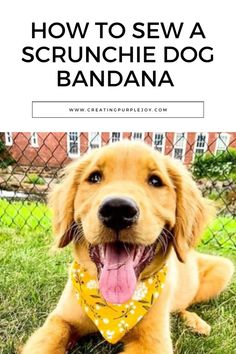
[[27, 215], [33, 276]]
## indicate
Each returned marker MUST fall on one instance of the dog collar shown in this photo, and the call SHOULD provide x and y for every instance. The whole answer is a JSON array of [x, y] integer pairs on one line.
[[115, 320]]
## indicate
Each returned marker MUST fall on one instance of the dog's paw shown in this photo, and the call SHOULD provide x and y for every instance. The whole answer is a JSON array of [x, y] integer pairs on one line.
[[195, 323]]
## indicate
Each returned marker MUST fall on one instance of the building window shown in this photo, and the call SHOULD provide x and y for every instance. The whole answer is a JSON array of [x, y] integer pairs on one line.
[[138, 136], [201, 144], [158, 141], [8, 139], [222, 142], [34, 140], [115, 136], [73, 144], [179, 146], [94, 140]]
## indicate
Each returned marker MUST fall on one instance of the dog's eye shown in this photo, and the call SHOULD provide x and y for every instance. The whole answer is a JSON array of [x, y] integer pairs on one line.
[[95, 177], [155, 181]]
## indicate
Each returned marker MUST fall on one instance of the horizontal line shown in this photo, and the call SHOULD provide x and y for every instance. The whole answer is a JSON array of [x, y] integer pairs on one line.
[[119, 101], [119, 117]]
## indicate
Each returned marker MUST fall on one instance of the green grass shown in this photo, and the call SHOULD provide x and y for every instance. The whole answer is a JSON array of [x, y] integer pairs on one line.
[[222, 231], [33, 178], [25, 215], [32, 278]]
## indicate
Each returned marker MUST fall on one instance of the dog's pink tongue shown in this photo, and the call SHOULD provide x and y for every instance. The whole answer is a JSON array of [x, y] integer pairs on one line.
[[117, 279]]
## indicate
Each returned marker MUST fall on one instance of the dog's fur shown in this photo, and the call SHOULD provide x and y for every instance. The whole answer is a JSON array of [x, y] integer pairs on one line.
[[177, 207]]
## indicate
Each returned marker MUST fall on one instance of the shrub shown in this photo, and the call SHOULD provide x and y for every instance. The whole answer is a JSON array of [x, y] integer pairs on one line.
[[2, 146], [221, 166], [34, 179], [6, 162], [5, 156]]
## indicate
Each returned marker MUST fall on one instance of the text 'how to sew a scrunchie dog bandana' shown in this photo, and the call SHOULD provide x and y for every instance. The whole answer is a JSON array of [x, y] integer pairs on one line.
[[115, 320]]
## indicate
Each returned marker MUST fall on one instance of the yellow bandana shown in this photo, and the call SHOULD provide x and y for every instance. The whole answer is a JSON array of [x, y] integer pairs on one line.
[[115, 320]]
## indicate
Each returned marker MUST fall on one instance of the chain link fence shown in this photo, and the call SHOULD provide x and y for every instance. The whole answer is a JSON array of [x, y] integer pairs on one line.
[[30, 165]]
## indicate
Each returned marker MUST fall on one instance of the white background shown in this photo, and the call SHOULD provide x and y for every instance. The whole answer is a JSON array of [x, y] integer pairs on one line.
[[213, 83]]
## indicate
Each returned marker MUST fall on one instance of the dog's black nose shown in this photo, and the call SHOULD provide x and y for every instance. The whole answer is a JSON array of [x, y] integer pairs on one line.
[[118, 213]]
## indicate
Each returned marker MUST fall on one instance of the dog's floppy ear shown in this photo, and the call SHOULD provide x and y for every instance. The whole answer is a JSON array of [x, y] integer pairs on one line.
[[193, 212], [61, 200]]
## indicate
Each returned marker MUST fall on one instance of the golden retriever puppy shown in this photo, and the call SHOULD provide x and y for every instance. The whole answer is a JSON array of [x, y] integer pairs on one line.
[[134, 217]]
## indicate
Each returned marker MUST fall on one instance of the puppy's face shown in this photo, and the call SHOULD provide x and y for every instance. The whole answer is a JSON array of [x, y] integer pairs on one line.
[[126, 199], [125, 194]]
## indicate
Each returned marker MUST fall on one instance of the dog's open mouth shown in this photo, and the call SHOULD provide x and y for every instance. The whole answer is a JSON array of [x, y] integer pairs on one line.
[[119, 265]]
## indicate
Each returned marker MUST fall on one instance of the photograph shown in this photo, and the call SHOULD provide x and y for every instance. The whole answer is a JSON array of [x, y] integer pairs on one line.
[[112, 239]]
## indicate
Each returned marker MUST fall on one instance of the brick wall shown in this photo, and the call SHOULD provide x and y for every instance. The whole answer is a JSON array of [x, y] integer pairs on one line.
[[52, 147]]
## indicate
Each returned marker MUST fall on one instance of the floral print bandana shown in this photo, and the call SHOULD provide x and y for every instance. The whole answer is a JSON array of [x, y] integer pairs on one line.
[[115, 320]]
